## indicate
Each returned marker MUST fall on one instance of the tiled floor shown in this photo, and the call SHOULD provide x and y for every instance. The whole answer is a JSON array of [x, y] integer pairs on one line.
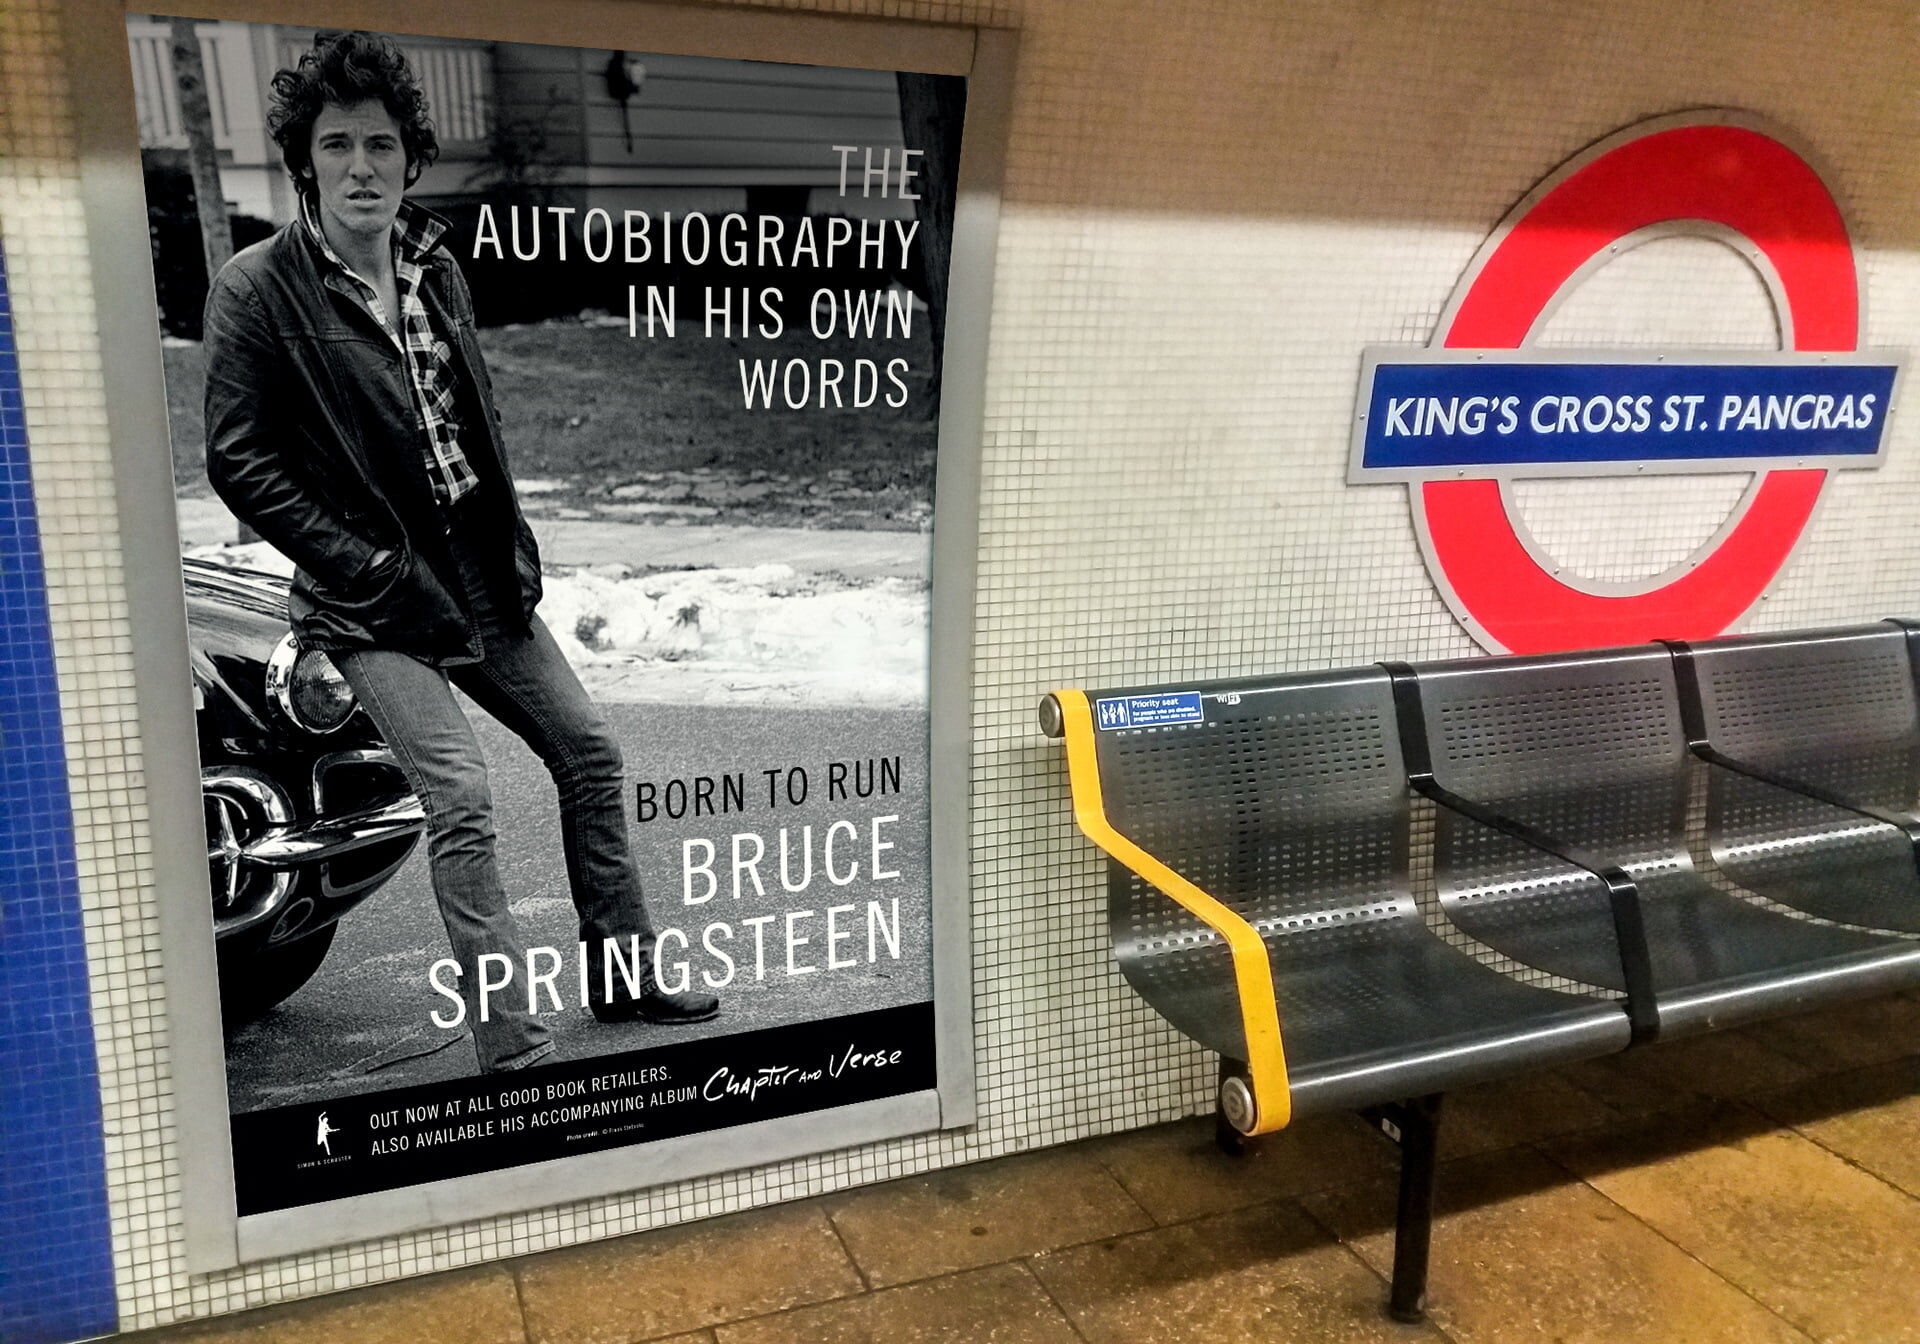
[[1749, 1187]]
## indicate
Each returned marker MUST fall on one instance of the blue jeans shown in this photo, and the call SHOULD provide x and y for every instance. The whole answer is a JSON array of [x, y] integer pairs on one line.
[[524, 682]]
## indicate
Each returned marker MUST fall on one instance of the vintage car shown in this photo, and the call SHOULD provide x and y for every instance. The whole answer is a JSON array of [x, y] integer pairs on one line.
[[307, 813]]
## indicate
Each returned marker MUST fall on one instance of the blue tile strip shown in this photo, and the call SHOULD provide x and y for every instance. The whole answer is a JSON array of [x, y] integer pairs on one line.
[[56, 1258]]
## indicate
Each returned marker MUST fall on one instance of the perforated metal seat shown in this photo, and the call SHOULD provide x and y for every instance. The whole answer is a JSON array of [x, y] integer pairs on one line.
[[1589, 749], [1288, 803], [1821, 713]]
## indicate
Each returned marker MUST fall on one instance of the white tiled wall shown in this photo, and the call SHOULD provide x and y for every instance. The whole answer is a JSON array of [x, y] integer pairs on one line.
[[1212, 205]]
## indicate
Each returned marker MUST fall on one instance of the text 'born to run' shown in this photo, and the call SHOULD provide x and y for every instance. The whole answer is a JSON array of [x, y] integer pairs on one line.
[[722, 795]]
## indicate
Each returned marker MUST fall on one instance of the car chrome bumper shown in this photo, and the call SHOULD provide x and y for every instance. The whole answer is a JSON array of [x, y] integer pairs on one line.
[[290, 846], [256, 846]]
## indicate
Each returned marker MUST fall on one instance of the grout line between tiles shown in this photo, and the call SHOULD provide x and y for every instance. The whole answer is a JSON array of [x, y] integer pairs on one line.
[[520, 1299], [846, 1249], [1792, 1325], [797, 1307], [1758, 1102], [1846, 1158], [1126, 1190], [1065, 1315]]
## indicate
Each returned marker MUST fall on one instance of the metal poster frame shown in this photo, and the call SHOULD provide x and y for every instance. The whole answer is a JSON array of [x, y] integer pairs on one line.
[[114, 203]]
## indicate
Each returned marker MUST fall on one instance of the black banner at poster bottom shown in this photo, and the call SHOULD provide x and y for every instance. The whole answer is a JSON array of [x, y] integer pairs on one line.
[[296, 1155]]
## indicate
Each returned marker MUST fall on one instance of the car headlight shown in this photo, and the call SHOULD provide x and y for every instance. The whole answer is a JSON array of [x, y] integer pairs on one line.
[[307, 688]]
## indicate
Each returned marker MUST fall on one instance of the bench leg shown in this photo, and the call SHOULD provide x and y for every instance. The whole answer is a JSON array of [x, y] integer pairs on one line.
[[1415, 1127], [1226, 1138]]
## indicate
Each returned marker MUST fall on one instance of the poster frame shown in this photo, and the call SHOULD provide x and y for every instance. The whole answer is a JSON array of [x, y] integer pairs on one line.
[[113, 199]]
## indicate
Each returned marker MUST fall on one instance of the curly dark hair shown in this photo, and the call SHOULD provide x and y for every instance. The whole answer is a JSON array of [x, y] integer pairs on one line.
[[344, 68]]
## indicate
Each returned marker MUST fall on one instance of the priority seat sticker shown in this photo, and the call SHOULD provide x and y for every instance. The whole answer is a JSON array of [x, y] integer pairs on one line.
[[1149, 711]]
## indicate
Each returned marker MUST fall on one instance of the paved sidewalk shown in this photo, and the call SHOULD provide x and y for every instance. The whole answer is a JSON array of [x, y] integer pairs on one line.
[[1754, 1186]]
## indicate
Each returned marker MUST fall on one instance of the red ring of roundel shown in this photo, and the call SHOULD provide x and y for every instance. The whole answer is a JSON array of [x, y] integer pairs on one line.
[[1733, 176]]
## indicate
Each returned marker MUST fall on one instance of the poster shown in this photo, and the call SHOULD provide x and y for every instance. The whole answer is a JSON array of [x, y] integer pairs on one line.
[[707, 300]]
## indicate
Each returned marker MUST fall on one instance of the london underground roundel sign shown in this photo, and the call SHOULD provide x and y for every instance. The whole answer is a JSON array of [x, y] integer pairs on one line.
[[1481, 406]]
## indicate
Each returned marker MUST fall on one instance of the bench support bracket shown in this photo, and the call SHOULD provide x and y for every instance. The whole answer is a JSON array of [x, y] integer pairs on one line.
[[1415, 1127], [1228, 1137]]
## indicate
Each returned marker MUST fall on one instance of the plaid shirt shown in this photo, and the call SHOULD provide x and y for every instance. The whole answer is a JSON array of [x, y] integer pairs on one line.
[[429, 359]]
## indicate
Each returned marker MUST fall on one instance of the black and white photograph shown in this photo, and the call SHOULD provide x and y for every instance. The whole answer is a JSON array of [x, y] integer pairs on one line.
[[554, 435]]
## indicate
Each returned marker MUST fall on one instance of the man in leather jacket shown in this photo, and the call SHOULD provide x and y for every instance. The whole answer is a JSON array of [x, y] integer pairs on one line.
[[351, 423]]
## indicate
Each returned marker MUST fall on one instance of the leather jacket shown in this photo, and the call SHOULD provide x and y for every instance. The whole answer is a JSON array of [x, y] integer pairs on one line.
[[313, 440]]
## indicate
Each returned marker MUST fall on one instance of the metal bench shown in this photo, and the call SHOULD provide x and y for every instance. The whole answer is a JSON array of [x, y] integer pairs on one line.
[[1624, 844], [1277, 823], [1587, 752], [1818, 738]]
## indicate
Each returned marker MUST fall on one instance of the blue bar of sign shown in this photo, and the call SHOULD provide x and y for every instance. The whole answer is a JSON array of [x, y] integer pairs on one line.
[[1148, 711], [1483, 413]]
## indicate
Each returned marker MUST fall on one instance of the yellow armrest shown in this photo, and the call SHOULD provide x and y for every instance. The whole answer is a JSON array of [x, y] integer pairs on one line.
[[1252, 972]]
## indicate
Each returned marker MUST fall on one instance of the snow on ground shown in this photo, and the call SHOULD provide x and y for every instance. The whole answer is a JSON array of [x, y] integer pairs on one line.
[[764, 635]]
